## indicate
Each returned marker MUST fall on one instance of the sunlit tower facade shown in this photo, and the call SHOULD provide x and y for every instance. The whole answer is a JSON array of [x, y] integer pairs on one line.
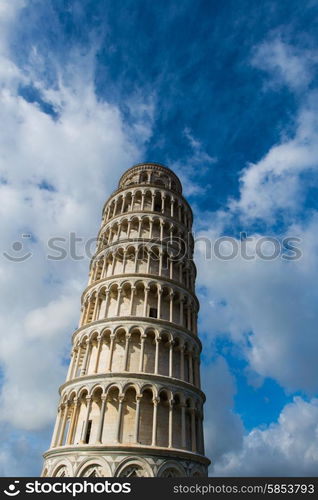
[[132, 405]]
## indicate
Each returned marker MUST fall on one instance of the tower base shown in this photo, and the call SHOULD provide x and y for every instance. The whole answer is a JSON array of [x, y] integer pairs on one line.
[[94, 461]]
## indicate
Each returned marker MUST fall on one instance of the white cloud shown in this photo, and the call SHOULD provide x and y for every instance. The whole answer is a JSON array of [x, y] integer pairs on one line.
[[286, 64], [286, 448], [80, 152], [223, 428], [197, 163], [20, 452], [267, 307], [274, 185]]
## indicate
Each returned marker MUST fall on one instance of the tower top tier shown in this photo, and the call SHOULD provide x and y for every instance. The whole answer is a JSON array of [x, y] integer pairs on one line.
[[151, 173]]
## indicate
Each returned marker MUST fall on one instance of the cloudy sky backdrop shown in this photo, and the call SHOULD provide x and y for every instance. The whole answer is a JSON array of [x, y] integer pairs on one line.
[[226, 94]]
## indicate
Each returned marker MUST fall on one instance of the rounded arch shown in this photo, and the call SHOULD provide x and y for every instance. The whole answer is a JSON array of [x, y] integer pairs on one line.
[[105, 332], [136, 328], [120, 329], [93, 467], [71, 395], [62, 468], [97, 389], [149, 387], [93, 335], [130, 385], [45, 472], [197, 472], [112, 388], [133, 467], [172, 468], [83, 391]]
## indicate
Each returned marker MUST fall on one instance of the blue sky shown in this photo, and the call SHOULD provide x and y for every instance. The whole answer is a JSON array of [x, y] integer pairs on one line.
[[226, 95]]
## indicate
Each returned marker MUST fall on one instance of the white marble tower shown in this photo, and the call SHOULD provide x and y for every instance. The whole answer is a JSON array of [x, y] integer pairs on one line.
[[132, 404]]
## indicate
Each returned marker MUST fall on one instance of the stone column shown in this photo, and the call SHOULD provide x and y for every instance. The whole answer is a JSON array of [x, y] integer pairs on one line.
[[188, 316], [159, 292], [142, 201], [111, 352], [95, 312], [148, 260], [170, 433], [182, 361], [190, 368], [119, 292], [99, 347], [137, 417], [107, 295], [69, 439], [101, 419], [124, 261], [160, 263], [83, 313], [170, 357], [154, 421], [122, 205], [183, 425], [136, 260], [139, 228], [150, 228], [171, 295], [106, 214], [84, 365], [161, 229], [157, 340], [196, 370], [113, 264], [126, 351], [171, 268], [71, 366], [62, 429], [104, 267], [56, 427], [172, 208], [187, 277], [142, 349], [201, 433], [132, 293], [79, 352], [115, 206], [181, 311], [146, 293], [199, 426], [132, 202], [88, 409], [87, 311], [128, 229], [180, 272], [119, 417], [163, 199], [193, 431]]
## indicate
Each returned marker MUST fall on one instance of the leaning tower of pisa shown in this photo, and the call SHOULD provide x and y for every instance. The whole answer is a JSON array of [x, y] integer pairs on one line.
[[132, 404]]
